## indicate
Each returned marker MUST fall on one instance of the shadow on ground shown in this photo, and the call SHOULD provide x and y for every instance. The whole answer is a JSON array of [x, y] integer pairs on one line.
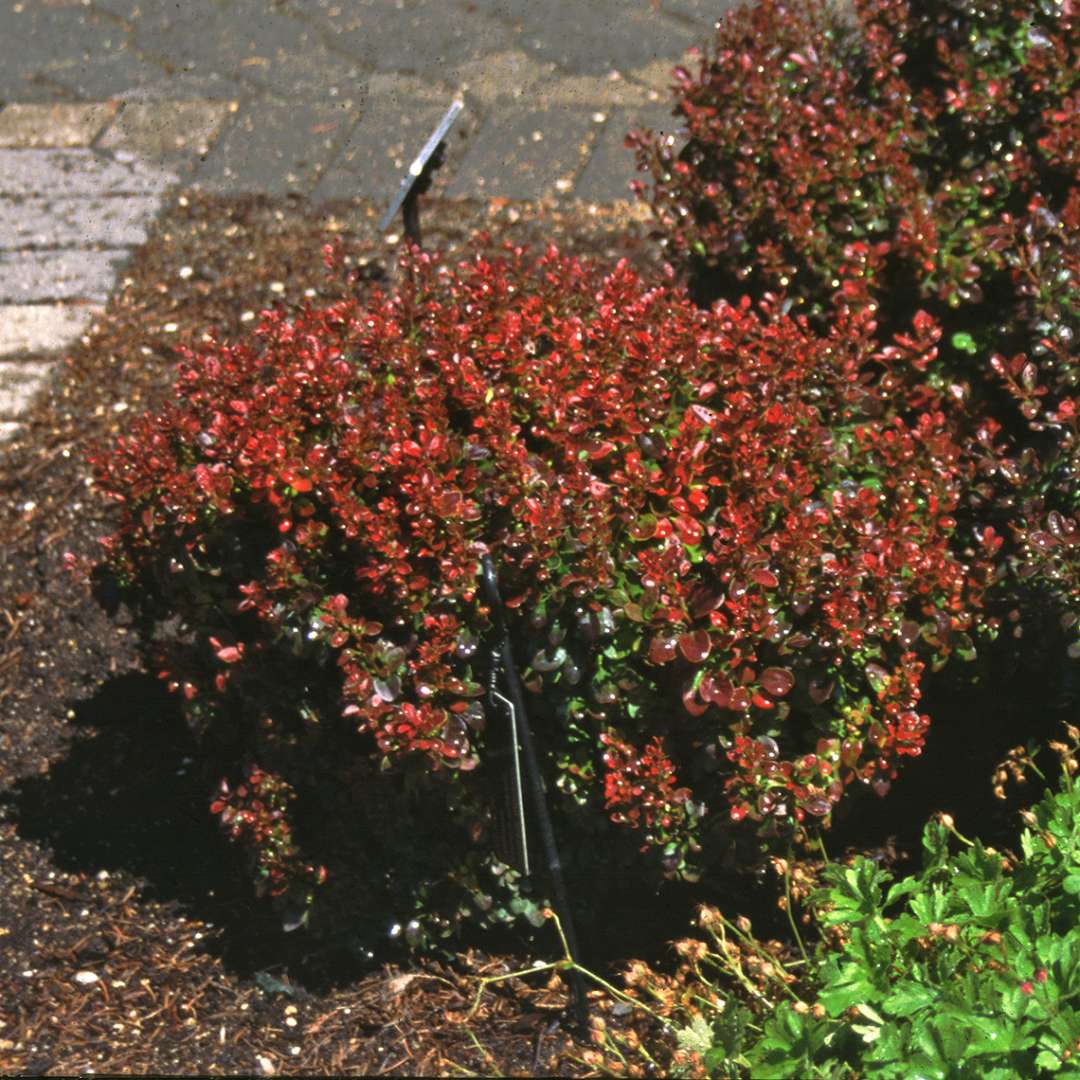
[[126, 799]]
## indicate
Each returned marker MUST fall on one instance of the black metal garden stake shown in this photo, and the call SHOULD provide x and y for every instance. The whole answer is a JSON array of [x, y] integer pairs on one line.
[[522, 751]]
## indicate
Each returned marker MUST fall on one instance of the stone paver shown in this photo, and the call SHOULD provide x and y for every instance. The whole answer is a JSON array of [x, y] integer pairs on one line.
[[382, 143], [41, 328], [422, 37], [521, 153], [592, 38], [611, 166], [166, 132], [70, 274], [292, 68], [58, 125], [108, 222], [19, 383], [77, 173], [41, 41], [270, 51], [280, 152]]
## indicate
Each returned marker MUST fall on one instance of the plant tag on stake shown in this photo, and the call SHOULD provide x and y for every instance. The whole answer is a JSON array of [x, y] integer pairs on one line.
[[518, 792], [511, 838], [416, 169]]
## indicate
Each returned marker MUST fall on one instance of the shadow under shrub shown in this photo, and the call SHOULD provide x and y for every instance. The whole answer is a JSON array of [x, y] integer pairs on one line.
[[724, 540]]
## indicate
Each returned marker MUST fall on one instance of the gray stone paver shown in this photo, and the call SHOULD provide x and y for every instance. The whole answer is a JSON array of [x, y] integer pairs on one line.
[[107, 222], [272, 52], [611, 166], [279, 153], [169, 82], [381, 145], [39, 39], [77, 173], [592, 38], [107, 105], [521, 153], [288, 63], [424, 37]]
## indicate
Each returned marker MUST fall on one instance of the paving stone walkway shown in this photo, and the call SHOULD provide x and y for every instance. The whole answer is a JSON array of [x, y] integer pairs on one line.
[[108, 107]]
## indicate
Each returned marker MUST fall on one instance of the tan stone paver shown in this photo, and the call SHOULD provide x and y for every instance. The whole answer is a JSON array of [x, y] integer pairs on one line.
[[163, 130], [62, 126]]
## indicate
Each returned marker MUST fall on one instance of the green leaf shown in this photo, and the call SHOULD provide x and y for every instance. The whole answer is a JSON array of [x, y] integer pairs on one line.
[[902, 889], [852, 987], [965, 343], [697, 1036], [1048, 1060], [908, 999]]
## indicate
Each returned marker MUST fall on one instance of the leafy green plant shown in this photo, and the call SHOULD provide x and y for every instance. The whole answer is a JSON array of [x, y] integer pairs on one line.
[[970, 966]]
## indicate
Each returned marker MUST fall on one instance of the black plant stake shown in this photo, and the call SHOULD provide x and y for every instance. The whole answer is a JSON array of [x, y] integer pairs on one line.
[[523, 752]]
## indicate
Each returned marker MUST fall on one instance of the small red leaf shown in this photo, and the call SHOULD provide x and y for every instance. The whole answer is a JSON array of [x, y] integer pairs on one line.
[[690, 531], [717, 689], [690, 701], [663, 649], [695, 646], [644, 527], [777, 681], [766, 578], [739, 700]]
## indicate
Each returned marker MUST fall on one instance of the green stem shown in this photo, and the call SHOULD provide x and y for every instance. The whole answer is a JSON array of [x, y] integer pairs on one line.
[[791, 914]]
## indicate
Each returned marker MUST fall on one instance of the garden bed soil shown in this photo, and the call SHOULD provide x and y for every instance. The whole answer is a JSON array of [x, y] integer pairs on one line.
[[128, 941]]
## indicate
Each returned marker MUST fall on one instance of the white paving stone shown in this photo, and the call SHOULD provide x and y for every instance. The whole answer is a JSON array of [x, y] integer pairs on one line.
[[8, 429], [114, 221], [19, 382], [68, 274], [38, 328], [78, 173]]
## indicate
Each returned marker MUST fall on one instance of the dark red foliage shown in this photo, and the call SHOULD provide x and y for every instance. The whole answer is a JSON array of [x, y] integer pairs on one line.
[[906, 156], [725, 540], [865, 156]]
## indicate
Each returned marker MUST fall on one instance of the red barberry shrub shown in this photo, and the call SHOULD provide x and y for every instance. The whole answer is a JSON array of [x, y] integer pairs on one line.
[[724, 540], [867, 153], [906, 155]]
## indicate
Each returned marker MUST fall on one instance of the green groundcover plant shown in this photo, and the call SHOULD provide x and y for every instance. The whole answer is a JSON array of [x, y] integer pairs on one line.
[[971, 966]]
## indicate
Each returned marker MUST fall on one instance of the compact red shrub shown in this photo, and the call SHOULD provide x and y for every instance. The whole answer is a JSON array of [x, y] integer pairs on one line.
[[724, 540], [909, 155], [868, 154]]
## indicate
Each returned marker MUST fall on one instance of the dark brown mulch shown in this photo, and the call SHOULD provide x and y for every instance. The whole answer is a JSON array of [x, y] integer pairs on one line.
[[126, 944]]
